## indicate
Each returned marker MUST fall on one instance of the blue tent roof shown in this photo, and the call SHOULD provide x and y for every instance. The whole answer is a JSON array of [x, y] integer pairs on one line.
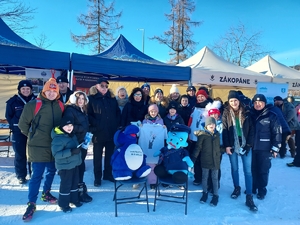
[[123, 50], [16, 54]]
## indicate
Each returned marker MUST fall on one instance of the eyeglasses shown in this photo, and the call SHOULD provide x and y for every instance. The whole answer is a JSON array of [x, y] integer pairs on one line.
[[103, 86], [137, 95]]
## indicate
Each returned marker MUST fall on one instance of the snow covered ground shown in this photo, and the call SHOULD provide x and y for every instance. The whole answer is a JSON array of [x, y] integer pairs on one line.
[[281, 205]]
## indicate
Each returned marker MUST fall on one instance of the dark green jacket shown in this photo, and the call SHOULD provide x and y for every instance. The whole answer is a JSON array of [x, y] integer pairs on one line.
[[61, 147], [38, 128], [208, 145]]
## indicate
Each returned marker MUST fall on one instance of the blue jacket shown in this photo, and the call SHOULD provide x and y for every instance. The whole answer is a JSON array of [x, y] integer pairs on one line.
[[283, 123], [267, 134]]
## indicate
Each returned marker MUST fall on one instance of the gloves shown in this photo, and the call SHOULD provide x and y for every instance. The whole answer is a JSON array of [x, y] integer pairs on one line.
[[245, 150], [75, 151]]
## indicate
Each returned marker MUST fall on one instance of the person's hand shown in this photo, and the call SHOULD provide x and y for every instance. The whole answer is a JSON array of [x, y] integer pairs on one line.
[[75, 151], [274, 154], [247, 149], [228, 150]]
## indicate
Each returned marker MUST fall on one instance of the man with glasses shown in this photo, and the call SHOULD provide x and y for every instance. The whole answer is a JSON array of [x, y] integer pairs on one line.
[[104, 117]]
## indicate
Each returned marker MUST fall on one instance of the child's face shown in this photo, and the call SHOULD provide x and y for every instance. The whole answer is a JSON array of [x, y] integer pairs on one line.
[[211, 127], [172, 112], [216, 116], [184, 101], [68, 128], [153, 113]]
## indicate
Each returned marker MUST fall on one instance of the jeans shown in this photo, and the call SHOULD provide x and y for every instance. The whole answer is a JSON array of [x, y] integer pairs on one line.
[[247, 161], [38, 169]]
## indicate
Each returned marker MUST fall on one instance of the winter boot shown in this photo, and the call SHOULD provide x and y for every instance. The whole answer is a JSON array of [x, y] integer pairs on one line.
[[204, 197], [29, 211], [47, 197], [250, 203], [214, 201], [236, 192], [82, 193], [76, 204], [66, 209]]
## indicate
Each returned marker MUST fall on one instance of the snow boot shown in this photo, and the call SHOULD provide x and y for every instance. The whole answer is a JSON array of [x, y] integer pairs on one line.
[[67, 209], [250, 203], [29, 211], [82, 193], [214, 201], [236, 192], [47, 197], [204, 197]]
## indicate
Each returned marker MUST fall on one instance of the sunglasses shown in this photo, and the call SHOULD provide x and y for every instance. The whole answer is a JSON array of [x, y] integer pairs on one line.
[[103, 86], [137, 95]]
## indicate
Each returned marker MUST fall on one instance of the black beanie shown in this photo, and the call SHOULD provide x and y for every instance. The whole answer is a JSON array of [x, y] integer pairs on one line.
[[66, 121], [24, 83], [173, 105], [259, 97], [233, 94]]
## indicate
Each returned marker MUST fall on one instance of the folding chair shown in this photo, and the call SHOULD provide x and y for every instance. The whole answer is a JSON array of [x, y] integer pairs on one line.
[[159, 196], [132, 199], [5, 141]]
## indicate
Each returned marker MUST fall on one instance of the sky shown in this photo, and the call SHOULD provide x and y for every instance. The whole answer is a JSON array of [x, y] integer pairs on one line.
[[280, 207], [277, 20]]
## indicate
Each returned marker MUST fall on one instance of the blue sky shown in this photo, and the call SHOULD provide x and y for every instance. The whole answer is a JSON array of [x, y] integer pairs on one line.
[[277, 19]]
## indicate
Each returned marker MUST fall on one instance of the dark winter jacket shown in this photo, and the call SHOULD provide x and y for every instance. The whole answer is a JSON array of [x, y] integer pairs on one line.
[[228, 129], [169, 122], [208, 145], [14, 109], [162, 107], [133, 111], [61, 147], [38, 128], [192, 100], [185, 112], [267, 135], [81, 121], [289, 113], [285, 127], [172, 158], [67, 96], [104, 116]]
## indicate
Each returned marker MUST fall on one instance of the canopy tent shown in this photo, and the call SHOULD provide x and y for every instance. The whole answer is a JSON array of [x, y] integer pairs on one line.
[[279, 72], [210, 69], [123, 62], [16, 54]]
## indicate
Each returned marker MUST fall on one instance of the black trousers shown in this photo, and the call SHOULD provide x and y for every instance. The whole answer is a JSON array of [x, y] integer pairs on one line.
[[68, 190], [261, 164], [178, 177], [19, 146], [98, 152], [197, 164], [297, 143], [81, 167]]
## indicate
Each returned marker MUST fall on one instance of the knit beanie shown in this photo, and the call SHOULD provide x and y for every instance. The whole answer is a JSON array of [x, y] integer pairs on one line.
[[259, 97], [174, 89], [202, 92], [277, 98], [62, 79], [153, 107], [210, 120], [233, 94], [145, 85], [158, 90], [173, 105], [66, 121], [24, 83], [214, 111], [191, 88], [51, 85]]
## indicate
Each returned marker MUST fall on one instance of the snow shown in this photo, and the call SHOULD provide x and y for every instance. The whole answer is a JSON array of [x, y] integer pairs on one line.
[[281, 205]]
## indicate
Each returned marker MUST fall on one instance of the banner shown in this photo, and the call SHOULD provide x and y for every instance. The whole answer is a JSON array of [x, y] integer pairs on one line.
[[270, 90]]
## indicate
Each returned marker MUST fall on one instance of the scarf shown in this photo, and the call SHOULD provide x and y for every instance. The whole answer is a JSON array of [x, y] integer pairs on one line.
[[122, 101], [172, 117], [237, 145]]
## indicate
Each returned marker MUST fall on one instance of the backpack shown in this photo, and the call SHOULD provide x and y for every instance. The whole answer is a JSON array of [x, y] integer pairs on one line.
[[39, 103]]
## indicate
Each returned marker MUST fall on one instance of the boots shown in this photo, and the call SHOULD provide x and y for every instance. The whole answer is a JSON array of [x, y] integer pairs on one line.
[[204, 197], [214, 201], [82, 192], [236, 192], [250, 203], [291, 143]]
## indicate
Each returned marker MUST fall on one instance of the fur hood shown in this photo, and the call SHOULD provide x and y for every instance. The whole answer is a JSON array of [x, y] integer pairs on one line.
[[164, 102]]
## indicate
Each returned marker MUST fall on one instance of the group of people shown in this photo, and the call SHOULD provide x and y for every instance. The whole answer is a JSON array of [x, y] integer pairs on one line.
[[53, 126]]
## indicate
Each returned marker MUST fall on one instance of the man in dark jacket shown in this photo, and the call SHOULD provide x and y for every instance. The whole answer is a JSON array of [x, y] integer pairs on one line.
[[64, 90], [267, 139], [191, 93], [104, 117]]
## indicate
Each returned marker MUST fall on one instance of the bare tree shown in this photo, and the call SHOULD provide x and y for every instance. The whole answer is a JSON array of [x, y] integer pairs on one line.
[[239, 47], [17, 15], [179, 37], [101, 22], [42, 41]]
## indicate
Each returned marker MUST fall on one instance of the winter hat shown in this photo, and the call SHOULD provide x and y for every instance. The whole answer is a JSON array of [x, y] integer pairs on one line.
[[173, 105], [51, 85], [278, 98], [259, 97], [174, 89], [191, 88], [66, 121], [180, 128], [102, 79], [145, 85], [202, 92], [24, 83], [210, 120], [153, 107], [204, 89], [213, 111], [119, 89], [62, 79], [158, 90], [233, 94]]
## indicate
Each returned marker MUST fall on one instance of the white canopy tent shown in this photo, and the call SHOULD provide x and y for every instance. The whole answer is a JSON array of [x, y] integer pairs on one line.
[[210, 69], [279, 72]]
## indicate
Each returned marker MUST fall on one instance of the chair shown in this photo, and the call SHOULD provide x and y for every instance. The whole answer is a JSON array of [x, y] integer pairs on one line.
[[132, 199], [159, 196], [5, 141]]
